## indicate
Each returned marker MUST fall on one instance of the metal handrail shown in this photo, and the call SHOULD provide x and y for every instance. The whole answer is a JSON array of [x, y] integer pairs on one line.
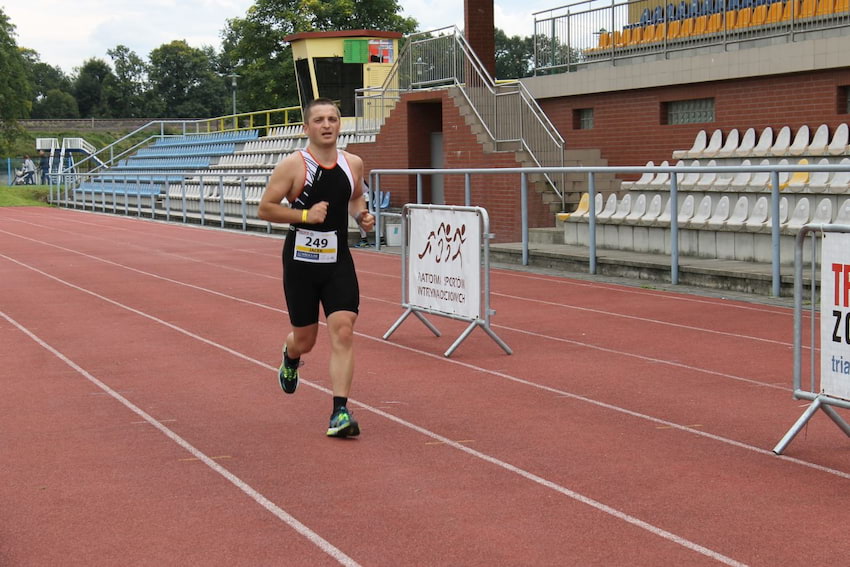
[[506, 110], [228, 123]]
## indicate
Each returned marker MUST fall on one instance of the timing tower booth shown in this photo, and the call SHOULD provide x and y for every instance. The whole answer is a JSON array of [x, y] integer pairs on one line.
[[335, 64]]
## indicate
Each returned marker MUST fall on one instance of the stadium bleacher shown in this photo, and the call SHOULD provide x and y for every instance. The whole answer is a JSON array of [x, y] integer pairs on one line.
[[695, 20], [727, 214]]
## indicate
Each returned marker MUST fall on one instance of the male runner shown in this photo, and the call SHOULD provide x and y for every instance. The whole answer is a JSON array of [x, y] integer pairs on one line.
[[323, 186]]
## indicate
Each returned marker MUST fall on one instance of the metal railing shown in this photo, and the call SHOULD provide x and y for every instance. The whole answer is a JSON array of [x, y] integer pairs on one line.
[[590, 31], [99, 160], [442, 58], [593, 172], [219, 198]]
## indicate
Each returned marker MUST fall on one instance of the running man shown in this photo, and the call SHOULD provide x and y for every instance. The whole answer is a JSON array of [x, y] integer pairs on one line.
[[323, 186]]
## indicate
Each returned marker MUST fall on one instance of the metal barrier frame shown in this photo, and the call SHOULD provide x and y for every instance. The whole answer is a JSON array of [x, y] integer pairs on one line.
[[484, 310], [820, 401]]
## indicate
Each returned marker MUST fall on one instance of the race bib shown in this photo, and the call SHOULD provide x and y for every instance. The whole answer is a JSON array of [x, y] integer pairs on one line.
[[316, 247]]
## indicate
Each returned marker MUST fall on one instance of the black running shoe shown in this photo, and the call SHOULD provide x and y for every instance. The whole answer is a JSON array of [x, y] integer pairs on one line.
[[288, 375], [343, 424]]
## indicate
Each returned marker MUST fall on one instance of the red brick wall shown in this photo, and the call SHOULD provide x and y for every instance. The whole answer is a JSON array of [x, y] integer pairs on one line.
[[404, 143], [480, 31], [628, 125]]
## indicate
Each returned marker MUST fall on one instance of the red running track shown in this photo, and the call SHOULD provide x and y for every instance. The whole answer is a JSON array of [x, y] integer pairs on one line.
[[142, 423]]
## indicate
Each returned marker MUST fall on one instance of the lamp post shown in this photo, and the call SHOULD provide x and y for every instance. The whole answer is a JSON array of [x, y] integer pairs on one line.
[[233, 76]]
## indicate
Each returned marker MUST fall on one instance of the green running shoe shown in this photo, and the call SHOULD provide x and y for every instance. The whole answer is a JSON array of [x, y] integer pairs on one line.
[[288, 375], [343, 424]]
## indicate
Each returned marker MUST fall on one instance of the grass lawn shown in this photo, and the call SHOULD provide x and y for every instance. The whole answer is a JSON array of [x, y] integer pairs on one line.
[[23, 196]]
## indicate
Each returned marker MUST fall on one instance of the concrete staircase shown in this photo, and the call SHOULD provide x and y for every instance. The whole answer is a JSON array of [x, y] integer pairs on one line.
[[574, 184]]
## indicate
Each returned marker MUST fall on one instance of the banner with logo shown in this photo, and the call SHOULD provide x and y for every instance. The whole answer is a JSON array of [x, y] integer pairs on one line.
[[444, 262], [835, 315]]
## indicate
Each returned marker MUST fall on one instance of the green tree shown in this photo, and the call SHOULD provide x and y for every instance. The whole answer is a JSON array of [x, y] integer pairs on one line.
[[89, 88], [15, 88], [125, 94], [329, 15], [514, 56], [253, 46], [184, 82], [46, 79], [56, 104]]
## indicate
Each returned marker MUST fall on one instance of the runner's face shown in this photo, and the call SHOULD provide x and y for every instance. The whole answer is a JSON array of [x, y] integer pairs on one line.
[[323, 125]]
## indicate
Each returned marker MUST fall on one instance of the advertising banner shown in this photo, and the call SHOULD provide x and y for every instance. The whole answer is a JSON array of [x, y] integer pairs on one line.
[[835, 315], [444, 262]]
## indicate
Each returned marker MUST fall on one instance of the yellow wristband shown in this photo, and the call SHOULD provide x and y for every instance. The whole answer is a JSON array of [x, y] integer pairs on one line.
[[304, 215]]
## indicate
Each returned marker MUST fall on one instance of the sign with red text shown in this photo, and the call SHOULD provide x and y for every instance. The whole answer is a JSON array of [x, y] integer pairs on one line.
[[444, 261], [835, 315]]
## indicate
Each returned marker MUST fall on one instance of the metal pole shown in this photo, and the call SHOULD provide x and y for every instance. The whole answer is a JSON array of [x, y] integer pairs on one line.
[[674, 229], [591, 226], [774, 230], [233, 76], [524, 216]]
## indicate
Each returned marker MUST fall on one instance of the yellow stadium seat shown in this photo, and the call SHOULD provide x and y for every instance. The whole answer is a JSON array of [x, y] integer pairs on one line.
[[581, 210], [825, 7], [648, 34], [797, 178], [687, 29], [615, 39], [729, 20], [792, 8], [841, 6], [743, 17], [637, 36], [673, 29], [715, 22], [700, 25], [807, 8], [759, 15], [774, 13]]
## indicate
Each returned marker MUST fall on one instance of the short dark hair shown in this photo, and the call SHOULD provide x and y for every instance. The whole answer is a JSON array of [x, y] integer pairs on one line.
[[321, 101]]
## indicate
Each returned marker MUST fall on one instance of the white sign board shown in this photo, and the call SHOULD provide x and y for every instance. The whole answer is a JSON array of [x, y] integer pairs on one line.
[[444, 262], [835, 315]]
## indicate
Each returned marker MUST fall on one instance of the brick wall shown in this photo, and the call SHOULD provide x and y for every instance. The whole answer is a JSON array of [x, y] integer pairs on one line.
[[404, 143], [628, 125]]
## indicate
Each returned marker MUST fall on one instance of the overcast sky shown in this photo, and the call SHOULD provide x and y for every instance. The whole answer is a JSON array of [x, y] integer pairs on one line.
[[66, 33]]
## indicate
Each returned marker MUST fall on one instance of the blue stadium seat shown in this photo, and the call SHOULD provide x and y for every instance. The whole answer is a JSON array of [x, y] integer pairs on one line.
[[658, 16], [645, 17], [684, 10], [708, 8], [719, 6]]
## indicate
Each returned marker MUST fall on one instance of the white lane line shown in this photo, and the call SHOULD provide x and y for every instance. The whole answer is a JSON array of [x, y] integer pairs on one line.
[[560, 339], [397, 277], [643, 319], [441, 358], [290, 520], [282, 515]]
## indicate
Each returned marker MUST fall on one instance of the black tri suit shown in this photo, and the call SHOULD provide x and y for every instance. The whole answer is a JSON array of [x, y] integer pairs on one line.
[[317, 263]]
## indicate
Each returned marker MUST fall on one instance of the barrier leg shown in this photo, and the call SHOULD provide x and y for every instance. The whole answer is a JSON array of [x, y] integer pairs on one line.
[[833, 415], [807, 415], [404, 316]]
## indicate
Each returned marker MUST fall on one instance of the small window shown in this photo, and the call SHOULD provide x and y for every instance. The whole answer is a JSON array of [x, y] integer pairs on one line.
[[845, 91], [583, 119], [690, 111]]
